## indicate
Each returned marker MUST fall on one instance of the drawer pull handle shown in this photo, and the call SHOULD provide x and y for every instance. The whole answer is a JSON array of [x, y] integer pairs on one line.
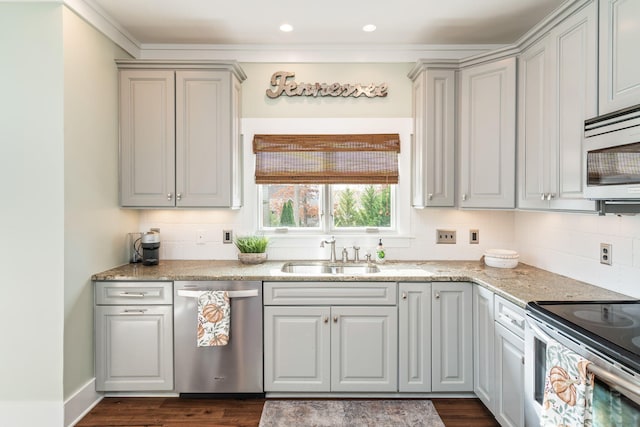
[[517, 322], [326, 319], [404, 295], [335, 319], [137, 311], [132, 294]]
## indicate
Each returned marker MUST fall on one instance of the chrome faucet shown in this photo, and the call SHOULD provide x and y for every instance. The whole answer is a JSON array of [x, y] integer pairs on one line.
[[332, 242]]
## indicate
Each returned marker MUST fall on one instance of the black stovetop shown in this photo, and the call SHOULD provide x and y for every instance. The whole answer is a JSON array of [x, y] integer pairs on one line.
[[611, 327]]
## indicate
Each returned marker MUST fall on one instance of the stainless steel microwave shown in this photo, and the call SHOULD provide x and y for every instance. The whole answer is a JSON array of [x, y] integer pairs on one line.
[[612, 159]]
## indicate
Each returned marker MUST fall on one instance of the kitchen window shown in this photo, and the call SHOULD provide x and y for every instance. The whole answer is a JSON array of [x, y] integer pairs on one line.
[[327, 183], [351, 207]]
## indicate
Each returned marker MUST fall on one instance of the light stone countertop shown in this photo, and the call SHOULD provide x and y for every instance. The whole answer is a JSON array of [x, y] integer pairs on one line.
[[518, 285]]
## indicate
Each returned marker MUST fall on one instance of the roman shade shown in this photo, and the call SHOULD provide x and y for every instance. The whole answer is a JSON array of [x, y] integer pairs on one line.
[[327, 159]]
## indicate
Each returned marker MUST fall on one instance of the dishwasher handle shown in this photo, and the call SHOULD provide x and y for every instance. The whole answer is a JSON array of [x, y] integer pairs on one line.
[[232, 294]]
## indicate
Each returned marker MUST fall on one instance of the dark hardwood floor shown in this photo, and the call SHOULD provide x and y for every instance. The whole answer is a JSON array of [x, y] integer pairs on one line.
[[174, 412]]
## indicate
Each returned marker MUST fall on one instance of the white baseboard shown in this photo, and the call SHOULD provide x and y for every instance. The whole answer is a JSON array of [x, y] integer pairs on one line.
[[82, 401]]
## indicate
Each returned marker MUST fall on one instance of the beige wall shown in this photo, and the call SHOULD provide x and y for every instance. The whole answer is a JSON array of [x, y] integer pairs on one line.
[[397, 103], [95, 228], [32, 212]]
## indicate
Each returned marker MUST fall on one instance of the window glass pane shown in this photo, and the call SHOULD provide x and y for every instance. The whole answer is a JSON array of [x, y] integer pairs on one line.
[[291, 205], [361, 205]]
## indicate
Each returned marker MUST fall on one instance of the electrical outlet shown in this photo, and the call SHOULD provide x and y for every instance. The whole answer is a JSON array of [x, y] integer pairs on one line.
[[227, 236], [474, 236], [605, 253], [446, 236], [200, 237]]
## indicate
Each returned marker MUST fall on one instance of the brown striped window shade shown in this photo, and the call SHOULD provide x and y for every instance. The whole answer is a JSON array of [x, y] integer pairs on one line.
[[327, 159]]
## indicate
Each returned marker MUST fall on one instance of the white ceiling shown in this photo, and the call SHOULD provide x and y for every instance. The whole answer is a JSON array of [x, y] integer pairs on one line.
[[327, 22]]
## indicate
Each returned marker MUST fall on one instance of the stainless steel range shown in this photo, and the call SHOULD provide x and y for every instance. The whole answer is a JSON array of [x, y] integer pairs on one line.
[[605, 332]]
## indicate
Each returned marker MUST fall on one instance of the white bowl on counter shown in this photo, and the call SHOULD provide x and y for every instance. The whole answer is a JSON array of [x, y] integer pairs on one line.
[[501, 258]]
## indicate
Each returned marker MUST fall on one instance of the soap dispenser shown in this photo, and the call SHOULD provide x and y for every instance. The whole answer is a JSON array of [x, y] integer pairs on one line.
[[380, 252]]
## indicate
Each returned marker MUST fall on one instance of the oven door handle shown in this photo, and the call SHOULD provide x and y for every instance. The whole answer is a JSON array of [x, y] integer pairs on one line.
[[625, 387], [232, 294]]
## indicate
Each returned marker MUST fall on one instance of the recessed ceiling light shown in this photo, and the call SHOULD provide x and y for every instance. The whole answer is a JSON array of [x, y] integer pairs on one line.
[[286, 28], [369, 28]]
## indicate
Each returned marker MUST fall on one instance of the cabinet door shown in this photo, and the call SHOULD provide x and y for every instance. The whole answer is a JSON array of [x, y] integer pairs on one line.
[[364, 349], [452, 342], [575, 88], [434, 138], [533, 125], [483, 352], [619, 77], [296, 349], [414, 337], [134, 348], [487, 135], [509, 408], [203, 139], [147, 138]]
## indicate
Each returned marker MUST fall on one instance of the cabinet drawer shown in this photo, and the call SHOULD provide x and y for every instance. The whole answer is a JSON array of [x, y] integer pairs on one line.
[[509, 315], [134, 293], [330, 293]]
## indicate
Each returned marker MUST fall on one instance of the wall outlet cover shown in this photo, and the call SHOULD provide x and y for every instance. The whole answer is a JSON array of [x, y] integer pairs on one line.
[[446, 236]]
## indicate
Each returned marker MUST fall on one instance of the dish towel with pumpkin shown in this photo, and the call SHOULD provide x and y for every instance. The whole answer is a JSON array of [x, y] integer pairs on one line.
[[568, 390], [214, 318]]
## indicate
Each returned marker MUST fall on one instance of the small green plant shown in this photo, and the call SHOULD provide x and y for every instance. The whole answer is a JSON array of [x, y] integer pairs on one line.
[[252, 244]]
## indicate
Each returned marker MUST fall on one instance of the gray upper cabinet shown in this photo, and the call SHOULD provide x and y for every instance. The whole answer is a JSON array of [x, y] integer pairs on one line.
[[488, 135], [433, 144], [180, 135], [557, 92], [619, 62]]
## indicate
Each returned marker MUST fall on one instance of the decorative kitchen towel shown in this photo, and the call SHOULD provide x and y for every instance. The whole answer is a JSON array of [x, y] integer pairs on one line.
[[568, 390], [214, 318]]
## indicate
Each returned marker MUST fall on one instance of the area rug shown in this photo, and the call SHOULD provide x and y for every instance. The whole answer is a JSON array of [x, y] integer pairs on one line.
[[352, 413]]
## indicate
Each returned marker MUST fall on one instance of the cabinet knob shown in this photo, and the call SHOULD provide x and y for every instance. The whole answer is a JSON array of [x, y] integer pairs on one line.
[[326, 319], [404, 295], [179, 196], [522, 360], [543, 196], [169, 196], [551, 196], [335, 319], [436, 295], [464, 197], [430, 196]]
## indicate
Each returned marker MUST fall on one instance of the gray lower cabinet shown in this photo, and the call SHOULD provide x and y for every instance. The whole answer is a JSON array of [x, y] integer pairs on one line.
[[414, 337], [133, 336], [499, 356], [451, 337], [484, 350], [333, 347], [435, 342], [509, 408]]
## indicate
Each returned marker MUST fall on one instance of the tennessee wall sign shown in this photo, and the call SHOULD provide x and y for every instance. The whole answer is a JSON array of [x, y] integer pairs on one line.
[[283, 84]]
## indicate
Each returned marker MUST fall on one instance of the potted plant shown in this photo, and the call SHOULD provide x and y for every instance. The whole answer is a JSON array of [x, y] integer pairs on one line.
[[252, 249]]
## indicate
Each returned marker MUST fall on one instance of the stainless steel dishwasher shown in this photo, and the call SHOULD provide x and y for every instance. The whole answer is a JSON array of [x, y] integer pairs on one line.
[[232, 368]]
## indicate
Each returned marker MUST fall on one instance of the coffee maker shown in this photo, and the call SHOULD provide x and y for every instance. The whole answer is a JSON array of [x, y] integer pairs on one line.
[[150, 247]]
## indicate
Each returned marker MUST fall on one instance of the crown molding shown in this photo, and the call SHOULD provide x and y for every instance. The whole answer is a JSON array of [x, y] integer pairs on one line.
[[313, 53], [95, 16]]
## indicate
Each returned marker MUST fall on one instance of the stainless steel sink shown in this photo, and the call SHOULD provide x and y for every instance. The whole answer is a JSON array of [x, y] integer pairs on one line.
[[316, 268]]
